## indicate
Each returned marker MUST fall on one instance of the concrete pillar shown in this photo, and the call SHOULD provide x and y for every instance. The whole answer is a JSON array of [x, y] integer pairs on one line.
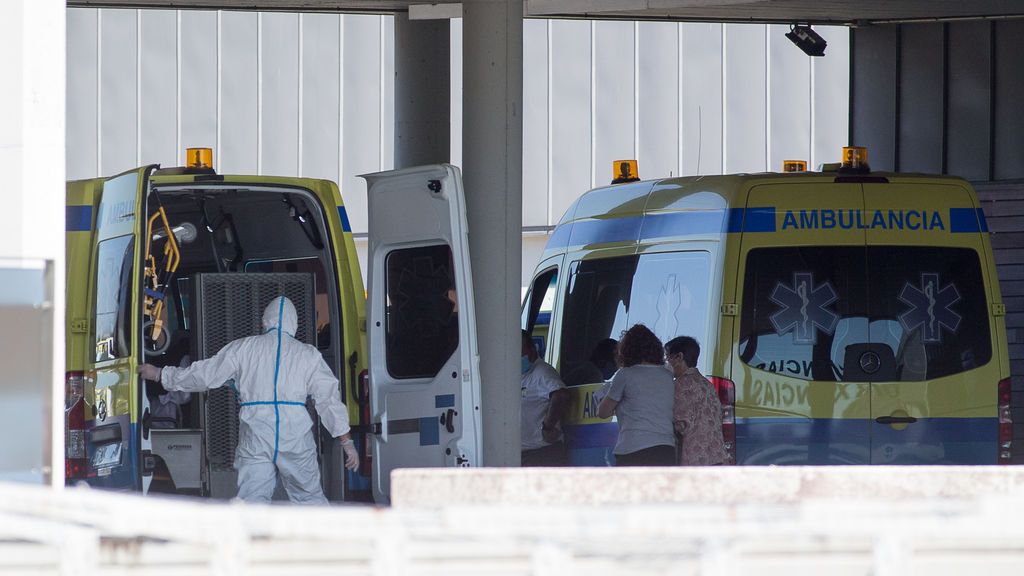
[[422, 88], [32, 42], [492, 135]]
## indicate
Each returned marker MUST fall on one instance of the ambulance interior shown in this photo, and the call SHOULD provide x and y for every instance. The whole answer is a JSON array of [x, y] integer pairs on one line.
[[229, 230]]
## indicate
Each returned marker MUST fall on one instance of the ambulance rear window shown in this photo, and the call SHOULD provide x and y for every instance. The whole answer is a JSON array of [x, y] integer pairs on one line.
[[881, 313]]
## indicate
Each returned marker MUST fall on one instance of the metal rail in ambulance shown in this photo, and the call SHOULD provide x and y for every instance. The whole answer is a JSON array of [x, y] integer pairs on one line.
[[845, 316]]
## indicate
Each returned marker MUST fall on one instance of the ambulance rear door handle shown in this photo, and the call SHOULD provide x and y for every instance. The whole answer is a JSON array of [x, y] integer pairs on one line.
[[895, 419]]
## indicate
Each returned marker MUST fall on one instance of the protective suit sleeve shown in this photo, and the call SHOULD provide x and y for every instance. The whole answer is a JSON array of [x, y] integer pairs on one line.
[[203, 374], [323, 388]]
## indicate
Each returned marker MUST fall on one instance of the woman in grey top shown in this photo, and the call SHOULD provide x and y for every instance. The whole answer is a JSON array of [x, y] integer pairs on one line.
[[640, 395]]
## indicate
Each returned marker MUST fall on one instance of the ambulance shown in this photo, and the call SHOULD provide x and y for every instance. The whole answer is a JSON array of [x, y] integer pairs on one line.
[[166, 266], [845, 316]]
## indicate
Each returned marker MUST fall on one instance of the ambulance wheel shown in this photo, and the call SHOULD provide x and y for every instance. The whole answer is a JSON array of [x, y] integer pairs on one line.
[[158, 346]]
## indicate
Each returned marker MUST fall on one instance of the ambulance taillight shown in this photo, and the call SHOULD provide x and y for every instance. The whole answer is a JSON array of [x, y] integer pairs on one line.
[[625, 171], [727, 396], [76, 462], [1005, 422], [794, 166]]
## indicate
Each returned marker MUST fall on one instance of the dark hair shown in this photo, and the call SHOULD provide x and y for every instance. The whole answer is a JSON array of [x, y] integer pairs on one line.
[[639, 345], [528, 341], [686, 346], [604, 351]]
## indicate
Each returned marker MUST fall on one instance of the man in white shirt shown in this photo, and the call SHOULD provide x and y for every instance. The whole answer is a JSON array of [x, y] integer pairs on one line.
[[545, 400]]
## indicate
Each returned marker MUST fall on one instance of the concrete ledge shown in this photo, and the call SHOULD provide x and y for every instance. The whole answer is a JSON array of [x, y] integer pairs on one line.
[[424, 487]]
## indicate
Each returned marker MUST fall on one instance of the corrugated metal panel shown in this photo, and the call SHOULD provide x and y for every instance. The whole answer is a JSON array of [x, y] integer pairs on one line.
[[701, 98], [615, 99], [657, 94], [158, 89], [570, 78], [118, 71], [82, 103], [969, 119], [274, 93], [535, 123], [922, 102], [319, 152], [746, 97], [789, 100], [1009, 87], [1003, 203]]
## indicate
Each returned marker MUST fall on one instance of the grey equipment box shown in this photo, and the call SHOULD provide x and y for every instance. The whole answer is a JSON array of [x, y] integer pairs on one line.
[[182, 451], [228, 306]]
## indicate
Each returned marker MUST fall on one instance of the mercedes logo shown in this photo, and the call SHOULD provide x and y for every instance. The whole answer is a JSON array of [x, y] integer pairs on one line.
[[870, 362]]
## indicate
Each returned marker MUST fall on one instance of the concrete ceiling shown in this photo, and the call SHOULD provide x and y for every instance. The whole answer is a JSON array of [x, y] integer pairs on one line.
[[817, 11]]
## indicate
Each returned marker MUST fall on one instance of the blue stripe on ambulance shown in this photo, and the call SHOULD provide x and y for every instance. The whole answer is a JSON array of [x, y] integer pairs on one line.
[[346, 226], [78, 218], [846, 441], [591, 444]]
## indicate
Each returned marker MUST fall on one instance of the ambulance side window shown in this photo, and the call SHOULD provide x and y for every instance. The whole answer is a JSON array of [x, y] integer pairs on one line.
[[422, 323], [112, 323], [537, 311]]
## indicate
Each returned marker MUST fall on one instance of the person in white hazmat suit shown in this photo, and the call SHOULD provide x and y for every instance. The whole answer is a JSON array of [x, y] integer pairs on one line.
[[274, 373]]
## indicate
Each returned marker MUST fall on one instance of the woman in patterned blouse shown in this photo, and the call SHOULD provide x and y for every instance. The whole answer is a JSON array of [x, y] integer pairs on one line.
[[696, 411]]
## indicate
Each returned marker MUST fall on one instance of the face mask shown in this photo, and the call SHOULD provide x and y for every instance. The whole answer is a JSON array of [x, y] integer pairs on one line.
[[524, 364]]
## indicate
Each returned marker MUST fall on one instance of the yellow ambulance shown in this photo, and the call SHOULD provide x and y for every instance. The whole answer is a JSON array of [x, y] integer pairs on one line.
[[168, 265], [845, 316]]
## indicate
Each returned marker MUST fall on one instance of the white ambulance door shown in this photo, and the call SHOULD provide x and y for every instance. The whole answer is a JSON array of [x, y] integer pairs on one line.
[[424, 362]]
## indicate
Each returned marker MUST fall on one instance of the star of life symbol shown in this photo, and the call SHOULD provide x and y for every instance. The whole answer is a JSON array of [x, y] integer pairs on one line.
[[804, 308], [669, 301], [930, 308]]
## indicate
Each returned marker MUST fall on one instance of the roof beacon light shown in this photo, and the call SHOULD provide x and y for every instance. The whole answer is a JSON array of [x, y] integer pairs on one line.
[[794, 166], [625, 171], [855, 159], [199, 158]]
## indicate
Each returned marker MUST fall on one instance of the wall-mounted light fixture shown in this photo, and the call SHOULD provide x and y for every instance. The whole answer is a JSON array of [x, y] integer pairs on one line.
[[807, 40]]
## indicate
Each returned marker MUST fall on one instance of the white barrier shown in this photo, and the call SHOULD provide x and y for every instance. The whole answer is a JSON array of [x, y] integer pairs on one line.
[[795, 527]]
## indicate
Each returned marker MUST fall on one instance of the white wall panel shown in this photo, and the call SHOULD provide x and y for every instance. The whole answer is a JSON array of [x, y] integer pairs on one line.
[[279, 94], [701, 98], [321, 83], [158, 87], [82, 92], [657, 99], [789, 100], [238, 151], [455, 107], [614, 97], [317, 99], [535, 122], [362, 111], [387, 93], [569, 78], [118, 74], [831, 103], [198, 88], [745, 98]]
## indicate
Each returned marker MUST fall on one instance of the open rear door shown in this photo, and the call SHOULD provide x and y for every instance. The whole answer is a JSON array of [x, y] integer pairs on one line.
[[424, 363]]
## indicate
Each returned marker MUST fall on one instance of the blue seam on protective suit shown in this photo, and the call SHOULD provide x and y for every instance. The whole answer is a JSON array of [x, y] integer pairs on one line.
[[271, 403], [277, 367]]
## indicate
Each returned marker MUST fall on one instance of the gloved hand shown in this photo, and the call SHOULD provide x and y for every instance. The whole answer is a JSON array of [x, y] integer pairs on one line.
[[551, 434], [351, 456], [149, 372]]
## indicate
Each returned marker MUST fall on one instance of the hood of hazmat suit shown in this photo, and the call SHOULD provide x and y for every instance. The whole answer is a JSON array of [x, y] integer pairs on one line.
[[273, 374]]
